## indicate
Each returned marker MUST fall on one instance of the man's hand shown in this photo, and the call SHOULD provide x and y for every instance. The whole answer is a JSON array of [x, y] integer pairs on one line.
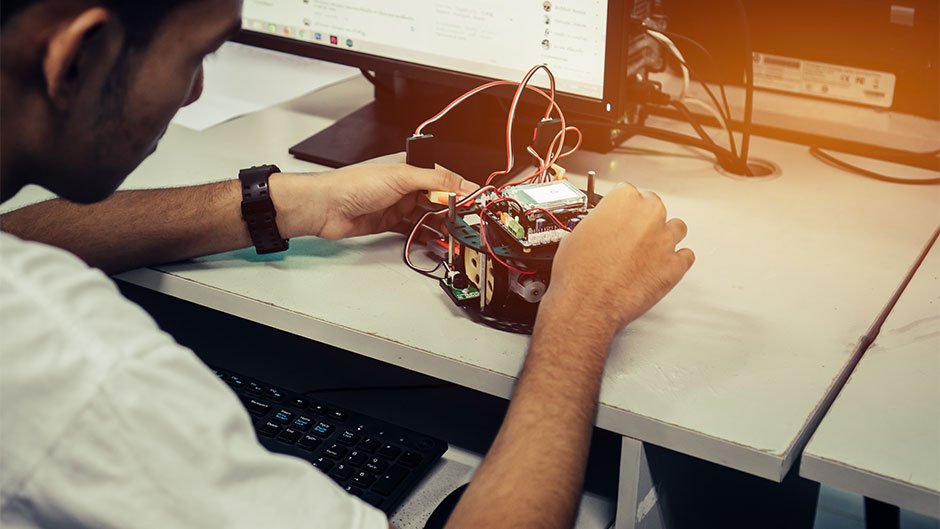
[[617, 264], [625, 252], [143, 228], [361, 199]]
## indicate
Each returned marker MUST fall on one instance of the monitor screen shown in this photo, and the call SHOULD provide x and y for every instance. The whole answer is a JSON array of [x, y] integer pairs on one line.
[[497, 39]]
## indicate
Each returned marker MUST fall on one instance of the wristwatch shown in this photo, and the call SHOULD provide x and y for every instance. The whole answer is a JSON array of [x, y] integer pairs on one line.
[[258, 209]]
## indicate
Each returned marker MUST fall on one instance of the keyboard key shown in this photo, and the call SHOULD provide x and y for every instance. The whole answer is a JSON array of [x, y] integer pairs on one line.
[[255, 406], [235, 382], [348, 438], [376, 466], [410, 459], [335, 451], [389, 451], [372, 499], [283, 416], [269, 429], [309, 442], [370, 445], [357, 458], [323, 464], [388, 481], [342, 471], [323, 429], [302, 423], [363, 479], [355, 491], [367, 457], [290, 435]]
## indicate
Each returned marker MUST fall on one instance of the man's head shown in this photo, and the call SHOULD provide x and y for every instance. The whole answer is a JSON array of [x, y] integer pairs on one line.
[[89, 86]]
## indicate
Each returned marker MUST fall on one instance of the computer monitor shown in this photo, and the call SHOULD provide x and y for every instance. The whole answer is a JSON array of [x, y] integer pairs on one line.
[[422, 54]]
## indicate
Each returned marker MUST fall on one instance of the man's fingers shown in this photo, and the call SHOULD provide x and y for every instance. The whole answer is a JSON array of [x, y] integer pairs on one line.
[[437, 179], [451, 181], [678, 229], [686, 257]]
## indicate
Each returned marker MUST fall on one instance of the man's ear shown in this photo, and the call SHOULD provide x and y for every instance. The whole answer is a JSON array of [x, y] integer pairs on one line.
[[75, 48]]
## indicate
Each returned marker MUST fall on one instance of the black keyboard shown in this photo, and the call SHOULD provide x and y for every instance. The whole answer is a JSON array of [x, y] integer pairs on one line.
[[377, 461]]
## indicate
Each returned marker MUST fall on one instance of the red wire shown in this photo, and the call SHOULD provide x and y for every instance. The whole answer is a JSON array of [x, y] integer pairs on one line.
[[414, 231], [552, 105], [555, 152], [466, 95], [549, 213], [510, 162]]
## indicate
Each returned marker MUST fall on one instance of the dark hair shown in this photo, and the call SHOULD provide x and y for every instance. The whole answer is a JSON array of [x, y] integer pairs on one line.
[[141, 19]]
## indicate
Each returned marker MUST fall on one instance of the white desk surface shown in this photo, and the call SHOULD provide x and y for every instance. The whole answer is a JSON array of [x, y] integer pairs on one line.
[[732, 367], [881, 438]]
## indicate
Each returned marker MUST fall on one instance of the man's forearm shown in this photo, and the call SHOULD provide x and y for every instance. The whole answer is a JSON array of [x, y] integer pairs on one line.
[[533, 474], [139, 228]]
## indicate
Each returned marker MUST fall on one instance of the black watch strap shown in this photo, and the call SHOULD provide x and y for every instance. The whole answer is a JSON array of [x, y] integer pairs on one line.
[[258, 209]]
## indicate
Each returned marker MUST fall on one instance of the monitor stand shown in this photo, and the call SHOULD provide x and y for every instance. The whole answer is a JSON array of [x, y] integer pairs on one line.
[[360, 136], [469, 140]]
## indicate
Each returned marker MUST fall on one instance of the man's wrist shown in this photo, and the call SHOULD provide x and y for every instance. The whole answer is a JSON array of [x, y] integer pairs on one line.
[[566, 318], [300, 204]]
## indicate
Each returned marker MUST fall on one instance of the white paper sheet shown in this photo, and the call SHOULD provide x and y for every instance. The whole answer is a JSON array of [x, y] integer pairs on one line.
[[241, 79]]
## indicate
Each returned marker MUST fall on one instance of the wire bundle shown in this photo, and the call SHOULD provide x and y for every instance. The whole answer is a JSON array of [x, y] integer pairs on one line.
[[728, 158], [489, 194]]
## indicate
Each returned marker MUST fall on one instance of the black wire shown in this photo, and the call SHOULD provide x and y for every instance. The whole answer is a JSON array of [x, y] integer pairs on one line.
[[748, 81], [726, 159], [832, 160], [712, 64], [684, 110], [723, 155], [727, 124], [427, 273], [378, 388], [725, 114]]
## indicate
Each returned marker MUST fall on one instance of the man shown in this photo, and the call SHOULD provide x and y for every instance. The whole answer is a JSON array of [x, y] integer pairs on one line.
[[106, 422]]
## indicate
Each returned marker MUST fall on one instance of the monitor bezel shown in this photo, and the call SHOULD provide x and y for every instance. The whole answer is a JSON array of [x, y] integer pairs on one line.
[[611, 106]]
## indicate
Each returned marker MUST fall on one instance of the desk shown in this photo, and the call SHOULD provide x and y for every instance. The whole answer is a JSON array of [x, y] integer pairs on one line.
[[881, 438], [735, 366]]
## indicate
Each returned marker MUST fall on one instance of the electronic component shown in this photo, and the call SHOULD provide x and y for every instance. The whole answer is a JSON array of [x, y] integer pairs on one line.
[[496, 245], [591, 176], [530, 288], [504, 242], [556, 196], [546, 212], [419, 151]]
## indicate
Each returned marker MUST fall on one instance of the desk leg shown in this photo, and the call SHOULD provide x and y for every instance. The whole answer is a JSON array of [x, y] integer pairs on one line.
[[879, 515], [637, 504]]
